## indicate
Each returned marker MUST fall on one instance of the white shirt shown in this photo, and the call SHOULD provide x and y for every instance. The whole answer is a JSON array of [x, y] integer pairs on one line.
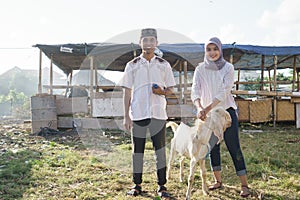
[[209, 84], [140, 75]]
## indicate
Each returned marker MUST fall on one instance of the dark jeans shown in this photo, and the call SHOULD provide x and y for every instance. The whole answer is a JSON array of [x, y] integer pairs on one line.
[[231, 138], [157, 129]]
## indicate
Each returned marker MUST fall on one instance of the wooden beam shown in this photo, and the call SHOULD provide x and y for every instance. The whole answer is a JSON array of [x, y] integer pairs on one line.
[[176, 63], [96, 76], [185, 81], [270, 85], [262, 72], [275, 73], [294, 72], [180, 80], [239, 77], [266, 93], [280, 61], [91, 82]]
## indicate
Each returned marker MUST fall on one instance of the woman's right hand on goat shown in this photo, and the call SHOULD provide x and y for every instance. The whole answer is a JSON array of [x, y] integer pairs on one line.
[[202, 115]]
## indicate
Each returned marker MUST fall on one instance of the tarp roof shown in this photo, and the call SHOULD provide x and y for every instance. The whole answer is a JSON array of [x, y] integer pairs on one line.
[[109, 56]]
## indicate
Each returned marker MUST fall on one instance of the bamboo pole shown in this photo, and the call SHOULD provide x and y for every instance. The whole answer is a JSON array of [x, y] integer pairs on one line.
[[51, 75], [40, 74], [262, 72]]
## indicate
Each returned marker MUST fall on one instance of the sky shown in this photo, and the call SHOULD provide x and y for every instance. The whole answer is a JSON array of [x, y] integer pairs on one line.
[[29, 22]]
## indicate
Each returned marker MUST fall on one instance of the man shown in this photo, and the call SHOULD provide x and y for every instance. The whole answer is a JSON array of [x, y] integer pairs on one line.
[[147, 80]]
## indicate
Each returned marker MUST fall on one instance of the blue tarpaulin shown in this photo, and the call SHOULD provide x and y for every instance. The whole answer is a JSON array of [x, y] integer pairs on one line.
[[109, 56]]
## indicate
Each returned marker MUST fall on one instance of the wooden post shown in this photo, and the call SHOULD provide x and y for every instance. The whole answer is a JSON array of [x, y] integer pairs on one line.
[[51, 75], [270, 84], [71, 77], [91, 83], [185, 82], [239, 77], [294, 73], [180, 81], [275, 72], [275, 88], [40, 74], [231, 58], [262, 72], [96, 76]]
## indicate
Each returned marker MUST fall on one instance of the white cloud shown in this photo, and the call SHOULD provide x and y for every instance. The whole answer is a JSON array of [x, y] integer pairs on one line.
[[282, 26], [230, 33]]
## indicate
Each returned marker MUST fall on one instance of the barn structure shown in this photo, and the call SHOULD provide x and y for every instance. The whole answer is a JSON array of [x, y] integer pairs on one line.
[[102, 108]]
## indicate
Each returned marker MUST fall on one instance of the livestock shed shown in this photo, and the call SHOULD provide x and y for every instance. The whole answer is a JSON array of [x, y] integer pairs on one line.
[[103, 106]]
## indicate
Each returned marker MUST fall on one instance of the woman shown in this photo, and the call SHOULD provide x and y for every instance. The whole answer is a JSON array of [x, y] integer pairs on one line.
[[212, 84]]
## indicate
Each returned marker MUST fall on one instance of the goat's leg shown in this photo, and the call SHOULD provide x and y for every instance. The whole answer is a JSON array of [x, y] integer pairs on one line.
[[171, 159], [191, 178], [203, 176], [181, 164]]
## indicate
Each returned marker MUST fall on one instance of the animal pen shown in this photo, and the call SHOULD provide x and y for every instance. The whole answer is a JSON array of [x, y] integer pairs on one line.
[[102, 106]]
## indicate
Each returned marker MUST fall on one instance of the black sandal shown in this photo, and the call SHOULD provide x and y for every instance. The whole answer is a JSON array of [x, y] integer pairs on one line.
[[217, 185], [162, 192], [135, 191]]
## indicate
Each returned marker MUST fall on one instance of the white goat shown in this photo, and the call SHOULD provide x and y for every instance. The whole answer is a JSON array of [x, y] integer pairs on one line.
[[193, 142]]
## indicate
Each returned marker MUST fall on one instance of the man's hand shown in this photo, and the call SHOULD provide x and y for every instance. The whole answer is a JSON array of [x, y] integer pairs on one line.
[[158, 90], [127, 123]]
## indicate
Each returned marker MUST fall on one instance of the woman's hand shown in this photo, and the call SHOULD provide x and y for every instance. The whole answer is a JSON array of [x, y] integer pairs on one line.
[[202, 115]]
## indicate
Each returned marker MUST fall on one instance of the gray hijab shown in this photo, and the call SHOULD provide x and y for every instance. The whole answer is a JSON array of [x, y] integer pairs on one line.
[[218, 64]]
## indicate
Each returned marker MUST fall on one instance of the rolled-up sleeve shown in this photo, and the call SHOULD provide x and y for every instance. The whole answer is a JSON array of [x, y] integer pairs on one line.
[[196, 86], [127, 78]]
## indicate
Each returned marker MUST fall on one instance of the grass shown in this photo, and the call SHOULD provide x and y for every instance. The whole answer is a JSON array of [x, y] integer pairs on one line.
[[97, 165]]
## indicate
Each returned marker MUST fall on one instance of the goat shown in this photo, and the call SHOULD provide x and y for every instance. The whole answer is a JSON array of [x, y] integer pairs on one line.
[[193, 142]]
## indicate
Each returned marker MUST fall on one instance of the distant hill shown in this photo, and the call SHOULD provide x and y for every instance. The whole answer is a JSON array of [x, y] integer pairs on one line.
[[26, 81]]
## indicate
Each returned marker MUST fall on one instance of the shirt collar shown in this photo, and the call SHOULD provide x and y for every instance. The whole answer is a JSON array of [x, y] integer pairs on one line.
[[145, 60]]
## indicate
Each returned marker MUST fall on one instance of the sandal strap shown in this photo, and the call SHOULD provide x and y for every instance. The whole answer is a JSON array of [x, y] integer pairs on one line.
[[245, 186]]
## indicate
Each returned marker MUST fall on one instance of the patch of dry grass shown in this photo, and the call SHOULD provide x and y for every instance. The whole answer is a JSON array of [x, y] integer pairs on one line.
[[66, 167]]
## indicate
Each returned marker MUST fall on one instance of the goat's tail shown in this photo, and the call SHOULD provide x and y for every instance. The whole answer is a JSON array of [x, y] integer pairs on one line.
[[173, 126]]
